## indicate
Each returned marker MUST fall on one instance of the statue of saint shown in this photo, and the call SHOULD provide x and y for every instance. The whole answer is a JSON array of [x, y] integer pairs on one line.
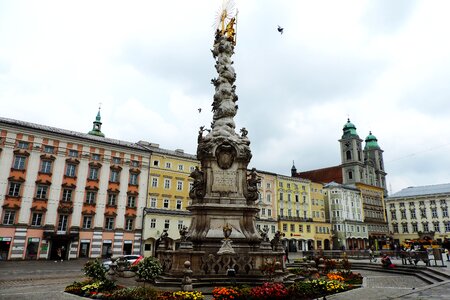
[[183, 234]]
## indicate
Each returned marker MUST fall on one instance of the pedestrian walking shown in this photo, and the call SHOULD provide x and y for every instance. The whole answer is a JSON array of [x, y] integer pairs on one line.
[[372, 255], [286, 255], [59, 254]]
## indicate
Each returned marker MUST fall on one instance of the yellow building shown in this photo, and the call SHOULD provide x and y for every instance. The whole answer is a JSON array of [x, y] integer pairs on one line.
[[294, 213], [168, 195], [322, 229]]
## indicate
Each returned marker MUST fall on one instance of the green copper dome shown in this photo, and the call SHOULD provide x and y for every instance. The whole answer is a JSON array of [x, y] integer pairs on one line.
[[349, 130], [96, 128], [371, 142]]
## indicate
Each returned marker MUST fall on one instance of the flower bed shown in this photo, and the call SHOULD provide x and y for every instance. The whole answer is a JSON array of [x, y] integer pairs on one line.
[[316, 284]]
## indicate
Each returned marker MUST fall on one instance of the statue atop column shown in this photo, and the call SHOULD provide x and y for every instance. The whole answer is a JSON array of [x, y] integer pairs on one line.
[[224, 101]]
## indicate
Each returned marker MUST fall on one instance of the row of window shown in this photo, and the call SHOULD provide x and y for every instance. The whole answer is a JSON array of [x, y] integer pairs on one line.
[[423, 213], [166, 203], [168, 184], [300, 228], [378, 228], [425, 227], [168, 165], [37, 219], [374, 214], [268, 197], [350, 228], [297, 197], [73, 153], [273, 228], [317, 202], [153, 223], [442, 202], [269, 212], [288, 186], [71, 170], [318, 214], [339, 201], [42, 192], [346, 214], [26, 146], [298, 214]]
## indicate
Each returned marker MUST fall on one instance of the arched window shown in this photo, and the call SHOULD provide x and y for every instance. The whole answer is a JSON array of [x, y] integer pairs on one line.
[[348, 154]]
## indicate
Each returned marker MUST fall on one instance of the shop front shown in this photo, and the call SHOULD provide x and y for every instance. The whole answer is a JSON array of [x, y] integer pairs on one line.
[[60, 244], [85, 247], [32, 248], [5, 246]]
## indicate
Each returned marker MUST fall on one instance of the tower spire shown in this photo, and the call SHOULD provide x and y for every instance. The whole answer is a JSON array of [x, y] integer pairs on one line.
[[97, 125], [293, 170]]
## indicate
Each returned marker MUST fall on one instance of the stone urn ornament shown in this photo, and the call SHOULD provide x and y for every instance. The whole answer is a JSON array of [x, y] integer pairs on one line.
[[226, 247]]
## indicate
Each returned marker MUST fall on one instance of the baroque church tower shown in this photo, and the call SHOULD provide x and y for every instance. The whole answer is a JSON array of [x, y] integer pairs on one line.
[[351, 155], [373, 156], [358, 165]]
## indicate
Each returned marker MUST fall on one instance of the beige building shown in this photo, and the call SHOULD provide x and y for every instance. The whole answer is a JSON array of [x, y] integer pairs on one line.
[[419, 213], [267, 217]]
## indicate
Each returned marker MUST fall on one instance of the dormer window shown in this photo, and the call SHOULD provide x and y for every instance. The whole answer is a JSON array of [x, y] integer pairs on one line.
[[23, 145], [73, 153], [49, 149]]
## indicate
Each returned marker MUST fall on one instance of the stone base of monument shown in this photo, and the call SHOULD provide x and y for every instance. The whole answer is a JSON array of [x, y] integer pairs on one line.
[[212, 269]]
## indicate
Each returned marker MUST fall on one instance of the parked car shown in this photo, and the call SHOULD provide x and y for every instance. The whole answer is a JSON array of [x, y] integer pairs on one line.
[[131, 259]]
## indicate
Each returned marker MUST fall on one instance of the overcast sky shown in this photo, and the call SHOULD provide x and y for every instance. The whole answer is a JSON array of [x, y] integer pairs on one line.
[[383, 64]]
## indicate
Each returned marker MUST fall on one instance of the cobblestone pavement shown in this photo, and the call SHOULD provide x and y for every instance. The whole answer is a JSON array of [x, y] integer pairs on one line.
[[378, 286], [436, 292], [383, 280], [37, 289], [38, 280]]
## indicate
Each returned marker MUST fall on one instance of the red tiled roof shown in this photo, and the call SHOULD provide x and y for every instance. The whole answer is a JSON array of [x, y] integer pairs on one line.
[[324, 175]]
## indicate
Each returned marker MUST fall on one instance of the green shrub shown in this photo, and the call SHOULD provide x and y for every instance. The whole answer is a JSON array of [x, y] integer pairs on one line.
[[346, 265], [148, 269], [303, 290], [135, 293], [95, 270]]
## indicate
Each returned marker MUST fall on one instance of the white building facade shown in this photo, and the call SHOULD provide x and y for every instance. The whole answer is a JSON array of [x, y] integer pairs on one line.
[[80, 195], [420, 213], [345, 211]]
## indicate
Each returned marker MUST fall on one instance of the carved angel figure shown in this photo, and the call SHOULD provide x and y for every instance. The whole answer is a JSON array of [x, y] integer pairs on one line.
[[183, 234]]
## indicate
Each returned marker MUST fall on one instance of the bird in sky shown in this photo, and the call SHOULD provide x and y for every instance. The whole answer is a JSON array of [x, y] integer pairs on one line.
[[280, 29], [199, 110]]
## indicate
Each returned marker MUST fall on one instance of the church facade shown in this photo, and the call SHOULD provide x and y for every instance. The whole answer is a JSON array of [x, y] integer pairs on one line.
[[362, 167]]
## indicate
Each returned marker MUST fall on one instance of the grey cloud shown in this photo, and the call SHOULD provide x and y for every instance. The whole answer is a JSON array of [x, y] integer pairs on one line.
[[178, 62], [430, 96], [384, 16]]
